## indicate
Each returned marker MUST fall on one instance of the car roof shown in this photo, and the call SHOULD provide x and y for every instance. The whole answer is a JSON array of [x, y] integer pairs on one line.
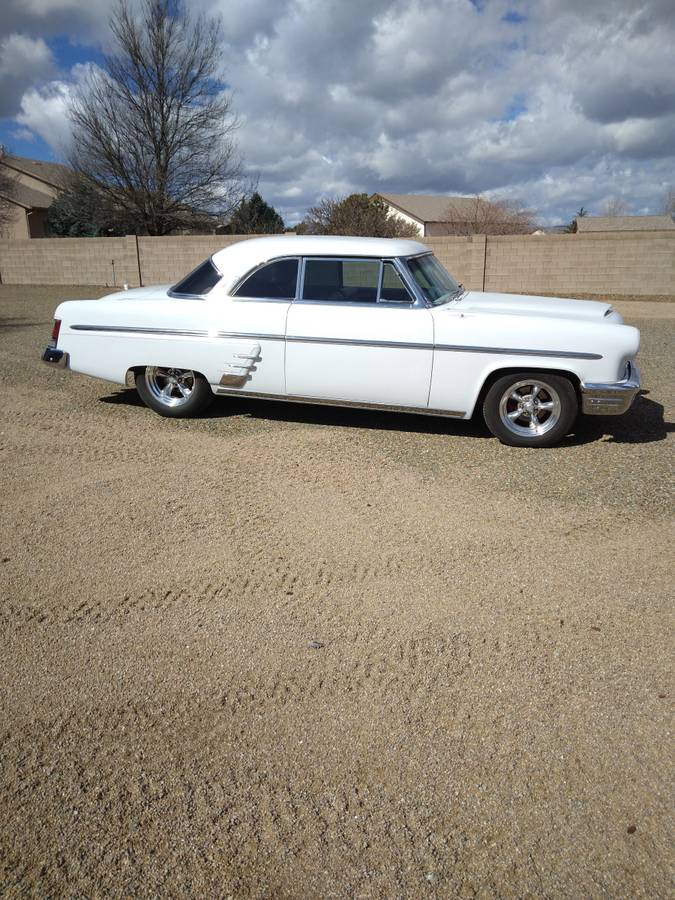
[[239, 258]]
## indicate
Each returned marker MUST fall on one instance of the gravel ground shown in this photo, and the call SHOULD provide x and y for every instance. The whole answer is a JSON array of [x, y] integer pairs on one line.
[[299, 652]]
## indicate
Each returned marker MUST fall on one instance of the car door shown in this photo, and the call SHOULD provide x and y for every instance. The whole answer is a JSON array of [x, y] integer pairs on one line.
[[355, 334], [251, 326]]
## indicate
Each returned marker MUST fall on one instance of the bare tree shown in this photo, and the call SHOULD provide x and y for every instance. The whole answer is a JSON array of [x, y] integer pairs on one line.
[[572, 227], [473, 215], [357, 214], [669, 202], [615, 206], [153, 130]]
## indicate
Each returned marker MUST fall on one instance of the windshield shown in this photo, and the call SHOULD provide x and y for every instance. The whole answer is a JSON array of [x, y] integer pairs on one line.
[[432, 279]]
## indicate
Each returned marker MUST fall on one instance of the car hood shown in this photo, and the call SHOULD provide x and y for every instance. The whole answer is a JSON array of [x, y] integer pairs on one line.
[[522, 305]]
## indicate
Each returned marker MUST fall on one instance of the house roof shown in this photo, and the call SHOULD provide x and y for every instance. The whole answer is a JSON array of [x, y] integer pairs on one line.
[[28, 197], [586, 224], [431, 208], [52, 173]]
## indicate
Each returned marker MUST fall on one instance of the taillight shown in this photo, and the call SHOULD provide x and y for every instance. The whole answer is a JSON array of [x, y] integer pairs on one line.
[[55, 332]]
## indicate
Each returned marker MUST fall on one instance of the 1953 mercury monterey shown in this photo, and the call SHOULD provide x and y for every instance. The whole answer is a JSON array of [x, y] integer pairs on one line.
[[350, 321]]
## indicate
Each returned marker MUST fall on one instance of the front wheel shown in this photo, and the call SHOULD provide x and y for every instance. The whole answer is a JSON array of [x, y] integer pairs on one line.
[[530, 409], [177, 393]]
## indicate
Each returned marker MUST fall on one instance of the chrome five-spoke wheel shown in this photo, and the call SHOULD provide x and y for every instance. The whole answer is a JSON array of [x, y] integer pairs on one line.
[[177, 393], [530, 408], [170, 387]]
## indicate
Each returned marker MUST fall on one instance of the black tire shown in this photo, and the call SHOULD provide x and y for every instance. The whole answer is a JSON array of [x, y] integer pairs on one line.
[[175, 393], [530, 409]]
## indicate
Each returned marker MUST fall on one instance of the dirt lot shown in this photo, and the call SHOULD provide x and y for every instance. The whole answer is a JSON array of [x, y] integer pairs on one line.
[[489, 712]]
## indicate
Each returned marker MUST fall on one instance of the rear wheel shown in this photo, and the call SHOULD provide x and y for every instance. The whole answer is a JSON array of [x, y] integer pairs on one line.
[[530, 409], [177, 393]]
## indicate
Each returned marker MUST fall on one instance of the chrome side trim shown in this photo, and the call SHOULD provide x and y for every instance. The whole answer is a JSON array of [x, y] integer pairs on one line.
[[243, 299], [401, 345], [453, 348], [300, 339], [358, 304], [132, 329], [350, 404], [501, 351], [611, 399], [234, 380], [176, 332], [238, 371], [253, 335]]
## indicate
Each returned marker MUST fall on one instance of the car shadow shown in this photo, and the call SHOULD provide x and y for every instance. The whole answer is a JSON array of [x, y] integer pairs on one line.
[[642, 424], [321, 414]]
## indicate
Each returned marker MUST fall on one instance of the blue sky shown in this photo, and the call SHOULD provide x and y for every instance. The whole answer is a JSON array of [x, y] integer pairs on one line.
[[554, 105]]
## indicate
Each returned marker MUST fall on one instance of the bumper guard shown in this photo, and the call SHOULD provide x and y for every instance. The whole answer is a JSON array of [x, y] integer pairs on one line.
[[611, 399]]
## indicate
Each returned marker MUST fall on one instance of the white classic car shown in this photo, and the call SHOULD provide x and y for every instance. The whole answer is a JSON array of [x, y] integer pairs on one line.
[[350, 321]]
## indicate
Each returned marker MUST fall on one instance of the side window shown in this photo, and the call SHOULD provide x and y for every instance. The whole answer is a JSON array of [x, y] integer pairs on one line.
[[351, 280], [393, 289], [276, 281]]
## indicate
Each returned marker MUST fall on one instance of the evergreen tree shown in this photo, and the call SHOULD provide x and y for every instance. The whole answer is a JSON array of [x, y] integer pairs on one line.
[[254, 216], [83, 211]]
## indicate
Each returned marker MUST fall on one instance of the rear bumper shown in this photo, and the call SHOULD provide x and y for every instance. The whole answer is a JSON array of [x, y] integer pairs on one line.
[[611, 399], [56, 358]]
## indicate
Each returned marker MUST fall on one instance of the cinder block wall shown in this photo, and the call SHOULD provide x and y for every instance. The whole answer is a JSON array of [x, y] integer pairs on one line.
[[164, 260], [640, 264], [105, 261], [636, 263], [464, 257]]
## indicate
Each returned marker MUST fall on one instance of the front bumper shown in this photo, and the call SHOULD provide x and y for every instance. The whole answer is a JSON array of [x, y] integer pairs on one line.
[[56, 358], [611, 399]]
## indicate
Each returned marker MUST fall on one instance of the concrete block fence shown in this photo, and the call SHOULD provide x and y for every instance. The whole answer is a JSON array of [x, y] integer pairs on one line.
[[639, 264]]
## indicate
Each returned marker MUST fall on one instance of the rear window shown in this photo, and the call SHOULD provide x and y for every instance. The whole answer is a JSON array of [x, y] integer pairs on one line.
[[200, 280]]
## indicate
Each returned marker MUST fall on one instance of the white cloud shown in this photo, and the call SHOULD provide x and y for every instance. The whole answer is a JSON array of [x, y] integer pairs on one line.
[[24, 61], [44, 111], [21, 55], [23, 134]]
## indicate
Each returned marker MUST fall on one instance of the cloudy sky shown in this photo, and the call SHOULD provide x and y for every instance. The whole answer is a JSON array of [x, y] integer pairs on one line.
[[554, 103]]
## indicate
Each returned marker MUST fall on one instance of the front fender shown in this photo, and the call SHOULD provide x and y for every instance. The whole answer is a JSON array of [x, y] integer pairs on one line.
[[470, 349]]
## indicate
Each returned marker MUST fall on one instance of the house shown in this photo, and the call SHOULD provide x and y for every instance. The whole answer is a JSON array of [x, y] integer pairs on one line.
[[433, 216], [594, 224], [28, 187]]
